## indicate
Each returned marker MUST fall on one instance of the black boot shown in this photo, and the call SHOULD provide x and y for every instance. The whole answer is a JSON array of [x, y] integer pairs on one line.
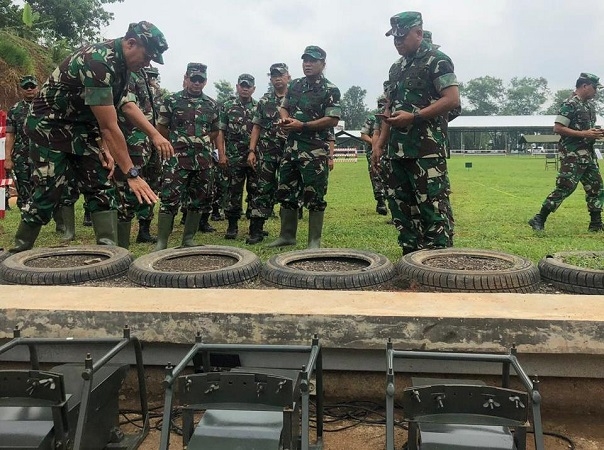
[[380, 208], [57, 216], [538, 222], [216, 214], [233, 228], [256, 233], [300, 213], [204, 226], [595, 224], [25, 237], [87, 222], [144, 234], [183, 219]]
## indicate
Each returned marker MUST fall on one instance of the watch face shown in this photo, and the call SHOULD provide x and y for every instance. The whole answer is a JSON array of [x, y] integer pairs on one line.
[[133, 173]]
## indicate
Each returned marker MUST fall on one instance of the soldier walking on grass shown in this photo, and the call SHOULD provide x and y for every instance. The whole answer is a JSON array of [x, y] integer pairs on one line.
[[576, 124]]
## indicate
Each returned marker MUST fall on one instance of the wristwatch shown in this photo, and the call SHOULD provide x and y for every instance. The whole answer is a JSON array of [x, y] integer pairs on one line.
[[251, 150], [417, 119], [134, 172]]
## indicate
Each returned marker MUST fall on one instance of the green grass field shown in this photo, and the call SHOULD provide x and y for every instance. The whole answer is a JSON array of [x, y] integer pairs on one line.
[[492, 202]]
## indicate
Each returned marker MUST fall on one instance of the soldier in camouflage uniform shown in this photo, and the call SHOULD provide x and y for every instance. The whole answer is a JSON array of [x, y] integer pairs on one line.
[[575, 124], [235, 131], [421, 88], [367, 132], [189, 118], [310, 110], [141, 150], [73, 122], [266, 150]]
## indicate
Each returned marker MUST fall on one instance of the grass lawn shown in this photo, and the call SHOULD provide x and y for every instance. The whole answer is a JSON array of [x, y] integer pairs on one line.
[[492, 202]]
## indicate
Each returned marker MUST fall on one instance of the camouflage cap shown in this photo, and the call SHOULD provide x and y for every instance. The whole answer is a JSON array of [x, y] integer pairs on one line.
[[152, 39], [246, 78], [197, 69], [28, 79], [403, 22], [278, 68], [381, 101], [314, 51], [428, 36], [591, 78]]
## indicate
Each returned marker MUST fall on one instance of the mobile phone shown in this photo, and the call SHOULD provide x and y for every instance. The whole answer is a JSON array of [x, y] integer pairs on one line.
[[382, 116]]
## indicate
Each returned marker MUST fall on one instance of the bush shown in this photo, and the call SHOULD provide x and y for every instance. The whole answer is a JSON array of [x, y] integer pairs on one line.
[[15, 56]]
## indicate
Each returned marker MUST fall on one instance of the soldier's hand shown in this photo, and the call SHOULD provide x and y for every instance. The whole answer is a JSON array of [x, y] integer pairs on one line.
[[8, 164], [107, 161], [290, 125], [400, 119], [144, 194], [376, 156], [594, 133], [163, 146], [330, 164], [223, 161], [251, 160]]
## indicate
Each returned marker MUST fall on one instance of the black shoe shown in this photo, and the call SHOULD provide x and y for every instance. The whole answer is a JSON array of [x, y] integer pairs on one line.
[[380, 208], [256, 232], [595, 227], [233, 228], [87, 219], [144, 235], [205, 227], [537, 223]]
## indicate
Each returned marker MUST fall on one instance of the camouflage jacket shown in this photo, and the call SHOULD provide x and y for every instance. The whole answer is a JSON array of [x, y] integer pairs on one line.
[[139, 93], [307, 102], [15, 120], [60, 117], [579, 115], [190, 121], [236, 122], [414, 83], [266, 115], [369, 127]]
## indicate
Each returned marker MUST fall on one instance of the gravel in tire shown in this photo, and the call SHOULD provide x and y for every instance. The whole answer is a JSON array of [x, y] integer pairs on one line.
[[328, 268], [469, 270], [65, 265], [571, 278], [195, 267]]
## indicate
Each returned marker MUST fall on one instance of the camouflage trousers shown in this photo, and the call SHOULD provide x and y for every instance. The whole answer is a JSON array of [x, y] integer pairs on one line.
[[575, 170], [239, 174], [418, 195], [268, 170], [52, 173], [128, 204], [376, 179], [22, 177], [303, 176], [221, 188], [192, 187]]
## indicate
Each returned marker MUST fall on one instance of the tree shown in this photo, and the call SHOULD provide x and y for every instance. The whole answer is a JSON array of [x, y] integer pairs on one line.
[[10, 15], [354, 110], [559, 97], [224, 89], [525, 96], [485, 96]]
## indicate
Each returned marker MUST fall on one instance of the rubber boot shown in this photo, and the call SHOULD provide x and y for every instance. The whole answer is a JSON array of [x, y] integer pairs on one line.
[[233, 228], [25, 237], [165, 224], [380, 208], [256, 232], [123, 234], [144, 233], [216, 214], [289, 228], [68, 212], [315, 228], [191, 227], [204, 226], [104, 224], [183, 219], [87, 222], [595, 223], [57, 216], [538, 222]]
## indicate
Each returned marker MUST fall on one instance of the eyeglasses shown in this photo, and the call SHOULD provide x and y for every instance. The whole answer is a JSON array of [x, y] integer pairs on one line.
[[29, 86], [197, 80]]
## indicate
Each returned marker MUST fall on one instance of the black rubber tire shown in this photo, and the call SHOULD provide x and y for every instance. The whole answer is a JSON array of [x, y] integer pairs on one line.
[[277, 271], [246, 268], [13, 270], [522, 277], [569, 278]]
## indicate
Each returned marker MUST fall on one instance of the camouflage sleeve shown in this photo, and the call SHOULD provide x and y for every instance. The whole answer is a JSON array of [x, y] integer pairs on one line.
[[443, 73], [165, 112], [332, 105], [128, 98], [10, 121], [96, 77], [285, 101], [214, 124], [565, 113], [223, 118], [258, 112]]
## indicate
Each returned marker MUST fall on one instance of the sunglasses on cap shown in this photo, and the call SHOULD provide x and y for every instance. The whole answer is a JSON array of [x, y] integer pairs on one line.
[[29, 86]]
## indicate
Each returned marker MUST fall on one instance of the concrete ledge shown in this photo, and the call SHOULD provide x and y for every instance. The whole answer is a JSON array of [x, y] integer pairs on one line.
[[555, 324]]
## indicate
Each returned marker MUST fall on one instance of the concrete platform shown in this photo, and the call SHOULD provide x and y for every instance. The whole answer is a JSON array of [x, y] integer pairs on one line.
[[563, 332]]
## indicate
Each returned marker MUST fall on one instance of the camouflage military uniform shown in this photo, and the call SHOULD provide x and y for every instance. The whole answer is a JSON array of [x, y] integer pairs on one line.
[[188, 174], [236, 123], [304, 171], [577, 158], [20, 154], [270, 151], [415, 163], [376, 178], [139, 147], [66, 136]]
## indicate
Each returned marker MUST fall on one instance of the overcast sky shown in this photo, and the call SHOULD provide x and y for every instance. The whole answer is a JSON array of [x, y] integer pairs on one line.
[[554, 39]]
